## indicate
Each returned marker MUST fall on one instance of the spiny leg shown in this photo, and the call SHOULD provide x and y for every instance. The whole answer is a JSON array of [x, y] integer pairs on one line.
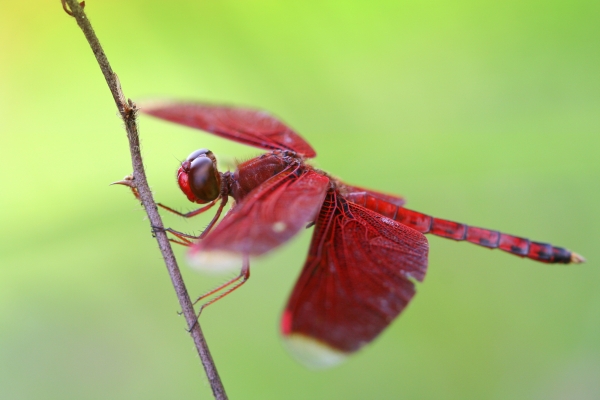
[[233, 283], [189, 214], [129, 181], [228, 286], [215, 218], [185, 236]]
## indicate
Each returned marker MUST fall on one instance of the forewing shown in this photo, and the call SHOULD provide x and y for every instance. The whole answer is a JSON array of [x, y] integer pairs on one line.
[[253, 127], [356, 280], [390, 198], [266, 218]]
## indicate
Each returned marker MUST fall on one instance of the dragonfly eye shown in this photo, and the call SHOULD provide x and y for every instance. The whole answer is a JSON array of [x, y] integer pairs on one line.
[[198, 177], [201, 153]]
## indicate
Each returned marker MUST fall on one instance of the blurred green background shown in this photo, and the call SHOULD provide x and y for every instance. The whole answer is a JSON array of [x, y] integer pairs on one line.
[[480, 112]]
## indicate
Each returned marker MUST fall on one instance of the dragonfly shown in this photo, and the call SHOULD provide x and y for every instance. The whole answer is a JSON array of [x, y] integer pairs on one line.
[[367, 250]]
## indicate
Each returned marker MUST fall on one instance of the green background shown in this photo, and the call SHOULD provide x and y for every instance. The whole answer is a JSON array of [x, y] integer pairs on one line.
[[486, 113]]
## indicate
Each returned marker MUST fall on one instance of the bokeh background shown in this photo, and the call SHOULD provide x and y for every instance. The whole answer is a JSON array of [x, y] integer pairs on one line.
[[482, 112]]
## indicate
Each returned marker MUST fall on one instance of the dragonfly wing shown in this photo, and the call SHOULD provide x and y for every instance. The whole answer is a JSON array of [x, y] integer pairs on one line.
[[352, 191], [245, 125], [266, 218], [356, 280]]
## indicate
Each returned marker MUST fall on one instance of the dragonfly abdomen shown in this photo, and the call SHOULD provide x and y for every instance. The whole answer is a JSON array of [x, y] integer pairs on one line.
[[492, 239]]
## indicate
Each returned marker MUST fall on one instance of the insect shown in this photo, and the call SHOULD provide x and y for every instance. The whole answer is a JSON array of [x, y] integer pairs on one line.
[[366, 251]]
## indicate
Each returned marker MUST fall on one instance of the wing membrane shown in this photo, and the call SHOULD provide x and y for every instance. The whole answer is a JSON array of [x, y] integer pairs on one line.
[[266, 218], [253, 127], [356, 280], [354, 191]]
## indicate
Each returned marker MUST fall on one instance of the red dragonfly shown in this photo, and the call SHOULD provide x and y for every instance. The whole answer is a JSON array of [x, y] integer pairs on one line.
[[366, 251]]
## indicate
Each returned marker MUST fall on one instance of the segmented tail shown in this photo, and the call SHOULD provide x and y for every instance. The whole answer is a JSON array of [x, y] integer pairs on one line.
[[543, 252]]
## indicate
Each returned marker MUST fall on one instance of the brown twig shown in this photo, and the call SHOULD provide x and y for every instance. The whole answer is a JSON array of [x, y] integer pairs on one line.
[[128, 111]]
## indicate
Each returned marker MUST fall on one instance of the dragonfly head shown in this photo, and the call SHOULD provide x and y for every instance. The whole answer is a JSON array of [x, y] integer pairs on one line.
[[199, 178]]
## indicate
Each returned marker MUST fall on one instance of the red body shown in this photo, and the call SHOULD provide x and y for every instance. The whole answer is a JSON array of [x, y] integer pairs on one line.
[[366, 250]]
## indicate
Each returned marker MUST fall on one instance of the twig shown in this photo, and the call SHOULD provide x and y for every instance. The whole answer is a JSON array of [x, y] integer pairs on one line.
[[128, 111]]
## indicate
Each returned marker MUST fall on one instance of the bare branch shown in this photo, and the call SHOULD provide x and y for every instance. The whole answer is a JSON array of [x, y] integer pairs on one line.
[[128, 112]]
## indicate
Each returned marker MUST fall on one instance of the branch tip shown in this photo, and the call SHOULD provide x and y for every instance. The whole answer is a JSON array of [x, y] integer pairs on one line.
[[64, 6]]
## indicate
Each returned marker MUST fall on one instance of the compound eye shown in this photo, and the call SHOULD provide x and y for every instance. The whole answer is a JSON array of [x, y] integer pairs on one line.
[[203, 177], [201, 153]]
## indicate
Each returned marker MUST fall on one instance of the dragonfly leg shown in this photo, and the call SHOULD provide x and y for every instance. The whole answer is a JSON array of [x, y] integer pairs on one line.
[[184, 238], [196, 212], [129, 182], [191, 213], [216, 217], [224, 288]]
